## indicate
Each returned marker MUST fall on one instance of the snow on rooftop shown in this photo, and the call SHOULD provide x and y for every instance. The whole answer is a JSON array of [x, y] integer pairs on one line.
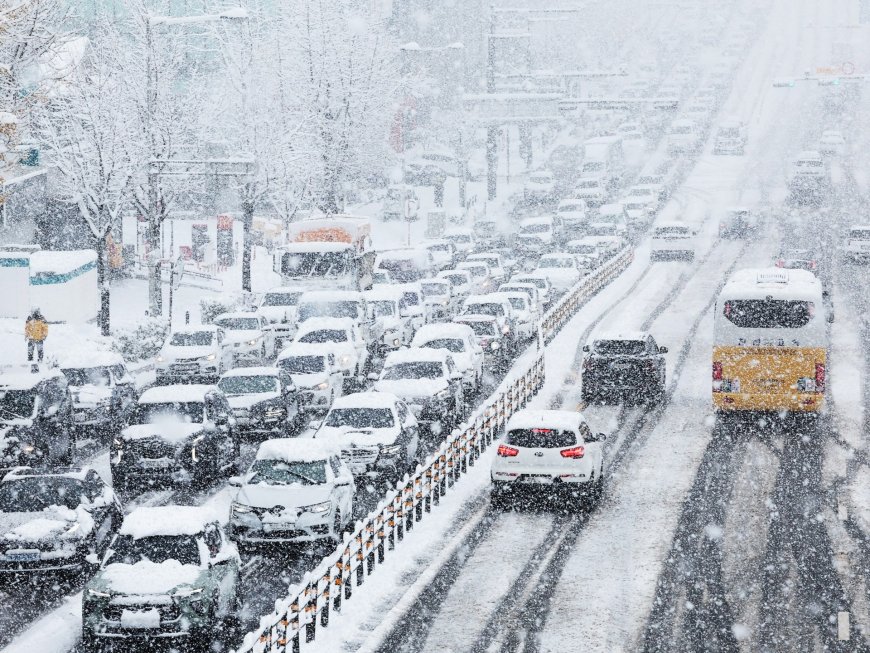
[[156, 521], [383, 292], [549, 419], [296, 449], [193, 392], [319, 323], [21, 377], [51, 261]]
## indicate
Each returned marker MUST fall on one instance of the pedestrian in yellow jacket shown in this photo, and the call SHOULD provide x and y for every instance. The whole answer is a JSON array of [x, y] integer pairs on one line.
[[35, 332]]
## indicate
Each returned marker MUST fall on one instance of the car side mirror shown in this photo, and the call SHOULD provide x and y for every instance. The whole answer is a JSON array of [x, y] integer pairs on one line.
[[344, 483], [586, 348], [600, 437], [235, 481], [663, 350]]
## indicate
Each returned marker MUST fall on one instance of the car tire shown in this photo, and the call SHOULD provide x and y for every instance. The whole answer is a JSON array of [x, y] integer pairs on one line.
[[120, 482], [90, 643], [337, 528], [499, 500]]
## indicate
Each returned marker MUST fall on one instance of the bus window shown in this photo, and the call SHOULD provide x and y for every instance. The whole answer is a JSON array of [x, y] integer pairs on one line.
[[768, 313]]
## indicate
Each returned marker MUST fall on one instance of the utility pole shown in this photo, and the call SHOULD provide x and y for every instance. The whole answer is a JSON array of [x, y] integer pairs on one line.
[[491, 130]]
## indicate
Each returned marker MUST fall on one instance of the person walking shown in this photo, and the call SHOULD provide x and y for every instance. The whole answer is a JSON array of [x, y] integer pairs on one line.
[[35, 332]]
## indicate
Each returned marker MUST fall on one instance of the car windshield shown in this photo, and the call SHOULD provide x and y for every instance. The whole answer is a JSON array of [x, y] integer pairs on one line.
[[324, 335], [571, 208], [809, 163], [456, 279], [555, 263], [283, 472], [361, 418], [860, 234], [16, 404], [542, 228], [410, 298], [435, 289], [682, 130], [484, 308], [303, 364], [309, 310], [482, 327], [98, 376], [383, 307], [518, 303], [157, 549], [589, 183], [593, 166], [36, 494], [453, 345], [540, 284], [671, 231], [191, 339], [541, 438], [281, 299], [246, 385], [315, 264], [414, 370], [441, 247], [239, 323], [380, 277], [650, 179], [539, 179], [585, 248], [188, 412], [620, 347], [768, 313]]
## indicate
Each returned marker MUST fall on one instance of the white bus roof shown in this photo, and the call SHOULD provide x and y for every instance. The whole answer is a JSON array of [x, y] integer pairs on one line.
[[778, 283]]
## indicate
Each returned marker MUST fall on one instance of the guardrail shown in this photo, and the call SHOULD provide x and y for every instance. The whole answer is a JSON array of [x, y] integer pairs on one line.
[[307, 608]]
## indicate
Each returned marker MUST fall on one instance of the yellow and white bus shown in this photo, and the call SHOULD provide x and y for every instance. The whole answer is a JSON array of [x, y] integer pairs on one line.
[[770, 342]]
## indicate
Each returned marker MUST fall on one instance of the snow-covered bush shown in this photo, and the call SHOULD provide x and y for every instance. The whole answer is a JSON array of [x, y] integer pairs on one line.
[[211, 307], [142, 341]]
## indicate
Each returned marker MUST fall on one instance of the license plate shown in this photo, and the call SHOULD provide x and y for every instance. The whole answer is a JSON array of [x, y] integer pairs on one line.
[[540, 479], [23, 556], [80, 417], [271, 528], [148, 463], [140, 619], [621, 366]]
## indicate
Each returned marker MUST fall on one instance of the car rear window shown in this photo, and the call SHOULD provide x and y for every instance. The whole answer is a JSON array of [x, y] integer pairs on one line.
[[620, 347], [541, 438], [768, 313]]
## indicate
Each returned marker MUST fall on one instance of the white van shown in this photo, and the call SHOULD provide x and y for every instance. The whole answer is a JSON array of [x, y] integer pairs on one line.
[[730, 138], [603, 159], [672, 240]]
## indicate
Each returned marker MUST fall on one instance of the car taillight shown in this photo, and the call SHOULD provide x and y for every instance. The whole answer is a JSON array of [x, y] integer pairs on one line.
[[780, 263], [573, 452], [820, 377], [813, 265], [717, 371], [507, 452]]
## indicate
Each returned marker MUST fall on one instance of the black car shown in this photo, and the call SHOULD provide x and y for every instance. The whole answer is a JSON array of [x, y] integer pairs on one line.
[[36, 417], [53, 521], [176, 433], [623, 366], [263, 399]]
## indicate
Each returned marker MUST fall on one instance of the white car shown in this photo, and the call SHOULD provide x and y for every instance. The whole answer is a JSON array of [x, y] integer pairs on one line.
[[315, 373], [730, 138], [561, 270], [540, 281], [429, 383], [607, 245], [495, 306], [411, 306], [531, 291], [443, 253], [278, 306], [639, 209], [591, 191], [481, 278], [684, 136], [535, 235], [587, 248], [497, 268], [526, 316], [832, 143], [460, 281], [652, 194], [439, 301], [658, 183], [343, 335], [194, 353], [539, 187], [672, 240], [553, 450], [489, 336], [462, 238], [614, 214], [461, 342], [858, 245], [573, 213], [296, 490], [808, 165], [385, 303], [247, 335]]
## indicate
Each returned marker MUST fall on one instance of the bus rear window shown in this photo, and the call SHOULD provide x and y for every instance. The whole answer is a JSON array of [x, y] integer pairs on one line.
[[768, 313]]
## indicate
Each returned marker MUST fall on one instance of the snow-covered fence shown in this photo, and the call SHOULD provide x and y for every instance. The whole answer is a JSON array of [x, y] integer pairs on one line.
[[307, 609], [572, 300]]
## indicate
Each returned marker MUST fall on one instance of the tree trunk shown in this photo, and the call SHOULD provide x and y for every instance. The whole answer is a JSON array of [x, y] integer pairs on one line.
[[103, 285], [155, 286], [247, 222]]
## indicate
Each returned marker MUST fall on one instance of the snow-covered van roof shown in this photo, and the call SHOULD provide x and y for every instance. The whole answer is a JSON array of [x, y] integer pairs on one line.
[[564, 420], [416, 355], [22, 377], [443, 330], [179, 392], [46, 262], [166, 521], [613, 207], [316, 296], [778, 283], [419, 255], [365, 400], [253, 371], [306, 349], [296, 449]]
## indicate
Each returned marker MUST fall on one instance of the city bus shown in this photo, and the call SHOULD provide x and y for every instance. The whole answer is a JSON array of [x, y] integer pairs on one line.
[[770, 343]]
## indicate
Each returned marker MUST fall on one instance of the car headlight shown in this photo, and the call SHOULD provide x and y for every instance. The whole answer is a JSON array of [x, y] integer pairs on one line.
[[505, 329], [253, 342], [160, 358], [98, 594], [494, 345], [241, 508], [322, 386], [210, 357], [188, 593], [391, 449], [344, 360], [317, 508]]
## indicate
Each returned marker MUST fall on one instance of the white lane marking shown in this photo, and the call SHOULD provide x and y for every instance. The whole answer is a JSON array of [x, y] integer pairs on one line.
[[843, 626], [842, 510]]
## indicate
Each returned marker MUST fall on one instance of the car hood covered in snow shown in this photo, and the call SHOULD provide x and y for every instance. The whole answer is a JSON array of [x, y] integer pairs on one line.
[[290, 496], [412, 388], [246, 401], [169, 431], [172, 352], [346, 436], [49, 524], [146, 577]]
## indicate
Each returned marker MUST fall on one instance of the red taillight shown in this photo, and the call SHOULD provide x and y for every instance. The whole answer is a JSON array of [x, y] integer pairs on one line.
[[717, 371], [820, 377], [573, 452], [507, 452], [813, 265], [780, 263]]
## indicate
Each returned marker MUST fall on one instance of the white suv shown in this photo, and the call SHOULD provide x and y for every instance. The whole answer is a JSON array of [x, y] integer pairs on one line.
[[194, 353], [249, 335], [858, 245], [552, 450]]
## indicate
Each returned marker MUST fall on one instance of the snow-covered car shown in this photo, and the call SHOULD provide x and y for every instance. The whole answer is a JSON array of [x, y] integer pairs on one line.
[[314, 371], [832, 143], [439, 301], [481, 279], [652, 194], [343, 335], [739, 222], [385, 303], [278, 306], [535, 235], [176, 433], [429, 383], [55, 521], [377, 433], [609, 245], [548, 450], [382, 278], [493, 260], [348, 304], [640, 211], [623, 366], [443, 253], [170, 574], [407, 264], [611, 214], [462, 238], [525, 314], [672, 240], [488, 334], [194, 353], [561, 270], [858, 243], [539, 187], [588, 248], [684, 137], [808, 166], [592, 191], [101, 387], [499, 308], [248, 336], [36, 417], [573, 214], [262, 399], [541, 282], [460, 280], [730, 138], [656, 182], [531, 291], [411, 305], [296, 490], [461, 342]]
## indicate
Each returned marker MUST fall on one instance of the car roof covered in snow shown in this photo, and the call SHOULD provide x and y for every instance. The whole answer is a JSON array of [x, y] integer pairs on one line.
[[319, 323], [365, 400], [296, 449], [548, 220], [178, 392], [777, 283], [307, 349], [22, 377], [262, 370], [77, 473], [565, 420], [233, 315], [197, 328], [624, 336], [416, 355], [330, 296], [166, 521], [613, 207], [384, 292], [430, 332], [91, 359]]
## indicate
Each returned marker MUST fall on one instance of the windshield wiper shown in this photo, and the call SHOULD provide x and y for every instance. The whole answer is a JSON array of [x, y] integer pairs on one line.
[[14, 415]]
